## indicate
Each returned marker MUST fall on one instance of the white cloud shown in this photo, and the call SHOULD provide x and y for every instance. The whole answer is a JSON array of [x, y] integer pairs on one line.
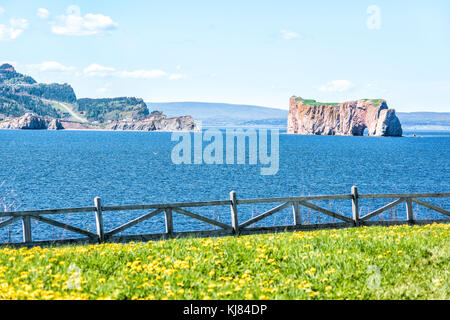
[[74, 24], [337, 86], [142, 74], [96, 70], [289, 35], [105, 88], [13, 30], [43, 13], [18, 23], [374, 20], [9, 33], [51, 66], [2, 11]]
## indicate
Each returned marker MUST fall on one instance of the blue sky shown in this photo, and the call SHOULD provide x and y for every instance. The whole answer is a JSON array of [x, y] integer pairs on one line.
[[246, 52]]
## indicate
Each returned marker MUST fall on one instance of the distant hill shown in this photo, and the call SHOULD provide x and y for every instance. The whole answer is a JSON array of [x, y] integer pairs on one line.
[[122, 108], [425, 120], [223, 113], [20, 94]]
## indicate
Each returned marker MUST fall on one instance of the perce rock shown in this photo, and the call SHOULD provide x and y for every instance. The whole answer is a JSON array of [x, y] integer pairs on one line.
[[308, 117]]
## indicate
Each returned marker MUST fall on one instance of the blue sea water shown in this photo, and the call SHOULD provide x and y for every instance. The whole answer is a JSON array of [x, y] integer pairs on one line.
[[58, 169]]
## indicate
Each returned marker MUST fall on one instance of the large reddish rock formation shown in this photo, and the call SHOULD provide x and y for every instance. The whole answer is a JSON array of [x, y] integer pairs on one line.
[[309, 117]]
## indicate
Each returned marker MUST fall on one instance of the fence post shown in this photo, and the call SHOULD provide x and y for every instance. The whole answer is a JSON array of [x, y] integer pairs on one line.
[[409, 211], [296, 213], [169, 221], [355, 206], [234, 214], [99, 219], [26, 229]]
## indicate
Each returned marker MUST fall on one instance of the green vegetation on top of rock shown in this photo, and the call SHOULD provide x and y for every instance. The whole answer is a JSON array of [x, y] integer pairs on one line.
[[121, 108], [312, 102], [375, 102]]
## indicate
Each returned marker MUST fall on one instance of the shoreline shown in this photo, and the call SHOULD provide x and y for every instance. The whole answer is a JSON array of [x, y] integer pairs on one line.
[[99, 130]]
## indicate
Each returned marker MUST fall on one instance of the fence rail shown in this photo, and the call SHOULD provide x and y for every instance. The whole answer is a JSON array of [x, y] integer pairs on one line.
[[235, 227]]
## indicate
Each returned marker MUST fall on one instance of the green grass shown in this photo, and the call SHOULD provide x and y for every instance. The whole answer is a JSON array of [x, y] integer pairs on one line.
[[55, 105], [401, 262], [312, 102], [374, 101]]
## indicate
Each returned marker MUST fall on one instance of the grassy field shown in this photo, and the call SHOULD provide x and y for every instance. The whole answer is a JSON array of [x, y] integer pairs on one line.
[[401, 262]]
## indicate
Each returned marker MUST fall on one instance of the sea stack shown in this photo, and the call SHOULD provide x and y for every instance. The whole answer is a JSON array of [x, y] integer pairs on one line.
[[309, 117]]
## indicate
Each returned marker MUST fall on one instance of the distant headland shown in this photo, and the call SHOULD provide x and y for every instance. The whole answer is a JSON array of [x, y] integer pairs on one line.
[[309, 117], [27, 104]]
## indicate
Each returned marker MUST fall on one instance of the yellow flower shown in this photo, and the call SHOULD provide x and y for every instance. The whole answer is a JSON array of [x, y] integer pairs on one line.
[[311, 271]]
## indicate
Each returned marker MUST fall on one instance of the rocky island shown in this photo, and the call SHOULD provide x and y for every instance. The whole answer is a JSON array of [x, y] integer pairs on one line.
[[27, 104], [309, 117]]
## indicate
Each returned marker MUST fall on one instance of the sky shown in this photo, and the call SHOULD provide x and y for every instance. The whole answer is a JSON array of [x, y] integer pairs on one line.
[[241, 52]]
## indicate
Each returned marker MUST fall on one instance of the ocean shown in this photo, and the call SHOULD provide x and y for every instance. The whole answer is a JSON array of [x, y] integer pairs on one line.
[[59, 169]]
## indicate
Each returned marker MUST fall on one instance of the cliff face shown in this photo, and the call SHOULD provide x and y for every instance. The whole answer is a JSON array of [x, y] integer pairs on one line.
[[309, 117], [156, 122], [31, 121]]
